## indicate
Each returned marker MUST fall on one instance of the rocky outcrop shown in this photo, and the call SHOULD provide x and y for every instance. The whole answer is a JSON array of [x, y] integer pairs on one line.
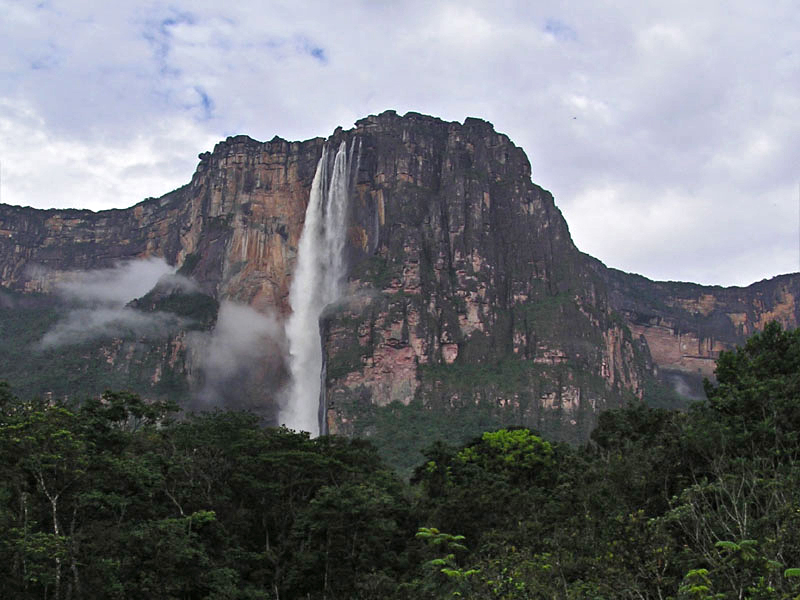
[[465, 295]]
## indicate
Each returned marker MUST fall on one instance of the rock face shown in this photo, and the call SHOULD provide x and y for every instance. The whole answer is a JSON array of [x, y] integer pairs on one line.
[[234, 228], [466, 295], [466, 289], [686, 325]]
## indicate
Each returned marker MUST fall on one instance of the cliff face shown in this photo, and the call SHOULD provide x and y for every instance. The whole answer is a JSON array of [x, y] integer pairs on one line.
[[687, 325], [466, 296], [235, 227], [466, 291], [233, 230]]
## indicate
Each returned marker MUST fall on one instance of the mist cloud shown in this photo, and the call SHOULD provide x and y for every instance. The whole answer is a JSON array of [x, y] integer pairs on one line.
[[117, 286], [98, 303], [244, 352], [86, 324]]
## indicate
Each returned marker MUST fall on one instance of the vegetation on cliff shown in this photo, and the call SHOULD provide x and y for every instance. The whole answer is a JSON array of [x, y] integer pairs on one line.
[[113, 498]]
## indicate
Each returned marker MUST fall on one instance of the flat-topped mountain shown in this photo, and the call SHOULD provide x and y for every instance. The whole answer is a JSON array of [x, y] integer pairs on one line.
[[466, 303]]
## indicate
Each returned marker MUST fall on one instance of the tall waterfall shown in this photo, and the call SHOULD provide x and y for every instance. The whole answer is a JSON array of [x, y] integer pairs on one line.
[[317, 282]]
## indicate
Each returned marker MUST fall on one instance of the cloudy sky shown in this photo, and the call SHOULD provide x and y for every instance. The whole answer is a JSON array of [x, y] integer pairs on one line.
[[669, 132]]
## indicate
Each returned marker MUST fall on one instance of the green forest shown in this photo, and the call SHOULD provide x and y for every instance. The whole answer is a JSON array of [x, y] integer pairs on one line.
[[118, 498]]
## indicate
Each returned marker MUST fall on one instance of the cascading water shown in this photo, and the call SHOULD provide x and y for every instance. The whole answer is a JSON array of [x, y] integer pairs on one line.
[[317, 282]]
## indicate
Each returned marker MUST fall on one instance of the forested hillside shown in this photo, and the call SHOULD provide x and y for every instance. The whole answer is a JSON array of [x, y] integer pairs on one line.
[[116, 498]]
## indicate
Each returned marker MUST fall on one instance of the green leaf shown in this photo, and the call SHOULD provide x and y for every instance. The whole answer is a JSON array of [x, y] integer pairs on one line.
[[724, 545]]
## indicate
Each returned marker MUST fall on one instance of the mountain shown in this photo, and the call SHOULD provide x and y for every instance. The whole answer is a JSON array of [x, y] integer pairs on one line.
[[466, 304]]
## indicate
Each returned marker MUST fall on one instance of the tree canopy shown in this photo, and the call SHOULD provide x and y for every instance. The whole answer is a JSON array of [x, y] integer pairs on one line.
[[116, 497]]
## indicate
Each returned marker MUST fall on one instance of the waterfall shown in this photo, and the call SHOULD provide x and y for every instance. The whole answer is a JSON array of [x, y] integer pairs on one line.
[[317, 282]]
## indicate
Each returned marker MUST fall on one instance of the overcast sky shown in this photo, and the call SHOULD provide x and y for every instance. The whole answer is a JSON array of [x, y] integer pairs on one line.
[[669, 132]]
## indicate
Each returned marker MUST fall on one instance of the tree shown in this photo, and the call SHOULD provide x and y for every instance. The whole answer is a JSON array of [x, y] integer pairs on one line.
[[756, 395]]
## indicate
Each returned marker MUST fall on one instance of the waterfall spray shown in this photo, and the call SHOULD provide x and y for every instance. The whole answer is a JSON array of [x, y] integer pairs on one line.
[[317, 282]]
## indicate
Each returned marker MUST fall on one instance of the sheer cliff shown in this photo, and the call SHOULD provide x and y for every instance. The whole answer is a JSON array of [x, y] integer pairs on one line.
[[467, 303]]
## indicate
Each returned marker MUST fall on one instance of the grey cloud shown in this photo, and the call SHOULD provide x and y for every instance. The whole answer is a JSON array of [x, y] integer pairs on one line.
[[206, 103], [159, 32], [560, 30], [306, 46]]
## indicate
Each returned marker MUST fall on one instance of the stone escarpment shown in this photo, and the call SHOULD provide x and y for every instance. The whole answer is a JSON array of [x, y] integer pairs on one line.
[[233, 230], [686, 325], [466, 302], [466, 291]]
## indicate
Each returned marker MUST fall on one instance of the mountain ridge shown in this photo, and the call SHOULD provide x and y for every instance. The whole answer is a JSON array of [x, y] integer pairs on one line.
[[460, 264]]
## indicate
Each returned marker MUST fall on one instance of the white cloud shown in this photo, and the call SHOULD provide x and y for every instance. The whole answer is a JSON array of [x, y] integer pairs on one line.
[[117, 286], [83, 325], [98, 302], [693, 105], [44, 169], [243, 344]]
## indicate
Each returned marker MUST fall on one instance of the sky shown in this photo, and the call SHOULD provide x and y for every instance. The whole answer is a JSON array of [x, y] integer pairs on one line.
[[668, 132]]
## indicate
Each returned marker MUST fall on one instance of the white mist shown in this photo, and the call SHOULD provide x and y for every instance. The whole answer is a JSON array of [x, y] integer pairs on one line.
[[317, 282]]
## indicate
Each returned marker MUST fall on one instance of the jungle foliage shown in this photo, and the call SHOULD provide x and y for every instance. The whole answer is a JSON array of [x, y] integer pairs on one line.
[[117, 498]]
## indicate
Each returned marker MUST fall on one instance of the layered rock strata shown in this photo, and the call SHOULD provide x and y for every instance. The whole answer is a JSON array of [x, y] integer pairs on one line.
[[465, 293]]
